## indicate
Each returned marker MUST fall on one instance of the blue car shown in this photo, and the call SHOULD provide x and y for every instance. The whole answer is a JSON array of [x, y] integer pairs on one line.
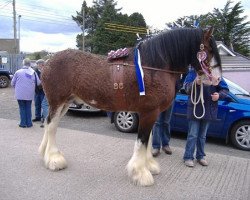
[[232, 124]]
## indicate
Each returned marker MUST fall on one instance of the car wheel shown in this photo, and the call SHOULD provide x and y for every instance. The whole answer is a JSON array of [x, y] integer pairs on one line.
[[4, 81], [240, 135], [126, 122]]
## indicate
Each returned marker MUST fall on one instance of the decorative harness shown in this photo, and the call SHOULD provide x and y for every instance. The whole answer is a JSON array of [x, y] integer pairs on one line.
[[116, 60], [201, 56]]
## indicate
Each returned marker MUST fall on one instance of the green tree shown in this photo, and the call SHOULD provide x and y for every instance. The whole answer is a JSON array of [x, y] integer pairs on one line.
[[91, 17], [231, 27], [98, 39], [109, 15], [123, 33]]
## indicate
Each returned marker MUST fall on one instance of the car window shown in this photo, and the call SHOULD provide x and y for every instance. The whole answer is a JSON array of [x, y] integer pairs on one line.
[[236, 89]]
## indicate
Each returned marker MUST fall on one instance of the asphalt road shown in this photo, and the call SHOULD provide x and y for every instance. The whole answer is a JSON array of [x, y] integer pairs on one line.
[[98, 123]]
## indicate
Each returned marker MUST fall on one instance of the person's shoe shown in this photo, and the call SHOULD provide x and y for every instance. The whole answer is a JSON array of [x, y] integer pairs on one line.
[[155, 152], [167, 150], [36, 120], [42, 125], [189, 163], [202, 162], [21, 126]]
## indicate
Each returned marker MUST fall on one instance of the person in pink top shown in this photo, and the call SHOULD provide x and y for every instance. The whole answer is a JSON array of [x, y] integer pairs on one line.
[[24, 81]]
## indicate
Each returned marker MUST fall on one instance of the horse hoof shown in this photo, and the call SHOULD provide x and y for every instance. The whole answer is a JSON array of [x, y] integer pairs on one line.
[[142, 177], [55, 161], [153, 166], [139, 175]]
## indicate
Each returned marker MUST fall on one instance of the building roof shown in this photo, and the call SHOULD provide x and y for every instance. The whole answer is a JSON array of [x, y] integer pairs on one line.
[[231, 60]]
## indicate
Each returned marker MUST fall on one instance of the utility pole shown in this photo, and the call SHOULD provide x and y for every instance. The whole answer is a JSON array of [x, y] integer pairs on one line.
[[14, 26], [19, 37], [83, 27]]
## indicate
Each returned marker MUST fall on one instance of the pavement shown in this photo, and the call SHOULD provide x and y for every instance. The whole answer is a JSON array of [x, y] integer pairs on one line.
[[96, 170]]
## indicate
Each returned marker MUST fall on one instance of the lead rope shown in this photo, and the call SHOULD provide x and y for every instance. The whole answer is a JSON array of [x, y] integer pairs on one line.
[[201, 56], [200, 99]]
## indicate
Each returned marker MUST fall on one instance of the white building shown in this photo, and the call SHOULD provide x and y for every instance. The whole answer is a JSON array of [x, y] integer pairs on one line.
[[235, 66]]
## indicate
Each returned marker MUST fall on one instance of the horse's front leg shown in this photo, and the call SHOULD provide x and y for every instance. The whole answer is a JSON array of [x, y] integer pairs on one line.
[[142, 163], [53, 158], [151, 163]]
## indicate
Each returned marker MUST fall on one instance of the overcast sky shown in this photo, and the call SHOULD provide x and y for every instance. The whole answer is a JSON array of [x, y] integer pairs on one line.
[[47, 24]]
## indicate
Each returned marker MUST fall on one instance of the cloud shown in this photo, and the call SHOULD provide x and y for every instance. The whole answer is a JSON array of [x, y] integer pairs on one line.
[[6, 28], [37, 41], [44, 25], [47, 17], [49, 27]]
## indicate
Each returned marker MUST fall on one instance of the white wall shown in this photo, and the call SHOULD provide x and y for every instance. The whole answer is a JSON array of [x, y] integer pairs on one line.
[[240, 77]]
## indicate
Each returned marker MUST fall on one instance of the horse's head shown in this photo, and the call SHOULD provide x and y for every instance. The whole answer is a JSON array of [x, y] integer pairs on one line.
[[209, 67]]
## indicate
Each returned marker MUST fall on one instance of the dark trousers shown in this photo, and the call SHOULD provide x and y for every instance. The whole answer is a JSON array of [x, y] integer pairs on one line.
[[25, 112], [38, 104]]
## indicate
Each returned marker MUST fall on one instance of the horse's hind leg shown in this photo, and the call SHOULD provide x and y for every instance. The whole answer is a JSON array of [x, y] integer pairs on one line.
[[44, 142], [53, 158], [142, 163]]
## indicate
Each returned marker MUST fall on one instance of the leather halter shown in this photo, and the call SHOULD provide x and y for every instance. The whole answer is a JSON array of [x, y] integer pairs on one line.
[[149, 68]]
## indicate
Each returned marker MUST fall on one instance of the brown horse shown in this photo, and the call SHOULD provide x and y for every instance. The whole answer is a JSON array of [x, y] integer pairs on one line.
[[72, 75]]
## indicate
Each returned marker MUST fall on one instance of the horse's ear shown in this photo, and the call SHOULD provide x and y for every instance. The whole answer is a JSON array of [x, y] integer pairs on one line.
[[209, 32]]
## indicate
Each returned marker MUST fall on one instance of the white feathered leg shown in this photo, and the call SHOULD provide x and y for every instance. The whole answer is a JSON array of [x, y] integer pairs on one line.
[[44, 142], [151, 163], [137, 168], [53, 158]]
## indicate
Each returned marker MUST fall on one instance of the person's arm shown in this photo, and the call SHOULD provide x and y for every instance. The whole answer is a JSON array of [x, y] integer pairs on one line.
[[38, 81], [13, 80]]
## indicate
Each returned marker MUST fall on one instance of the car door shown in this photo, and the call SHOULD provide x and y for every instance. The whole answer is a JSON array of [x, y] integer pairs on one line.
[[179, 116], [216, 127]]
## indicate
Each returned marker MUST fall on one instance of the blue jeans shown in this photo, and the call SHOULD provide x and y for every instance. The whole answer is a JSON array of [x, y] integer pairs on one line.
[[38, 104], [197, 130], [45, 108], [25, 112], [161, 129]]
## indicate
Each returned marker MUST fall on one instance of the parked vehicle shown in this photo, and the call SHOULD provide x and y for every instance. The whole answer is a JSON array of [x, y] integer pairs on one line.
[[83, 107], [233, 123], [5, 78]]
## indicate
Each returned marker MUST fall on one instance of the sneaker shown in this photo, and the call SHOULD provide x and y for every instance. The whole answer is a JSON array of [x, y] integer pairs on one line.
[[167, 150], [189, 163], [42, 125], [36, 120], [156, 152], [202, 162]]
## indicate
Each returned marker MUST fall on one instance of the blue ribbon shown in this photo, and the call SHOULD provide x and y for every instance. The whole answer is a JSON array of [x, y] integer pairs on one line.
[[139, 72]]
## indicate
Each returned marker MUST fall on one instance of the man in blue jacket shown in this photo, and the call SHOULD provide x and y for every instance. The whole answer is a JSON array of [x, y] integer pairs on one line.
[[201, 110]]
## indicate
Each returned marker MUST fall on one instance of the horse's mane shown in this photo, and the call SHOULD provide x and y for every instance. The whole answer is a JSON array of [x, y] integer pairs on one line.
[[175, 49]]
